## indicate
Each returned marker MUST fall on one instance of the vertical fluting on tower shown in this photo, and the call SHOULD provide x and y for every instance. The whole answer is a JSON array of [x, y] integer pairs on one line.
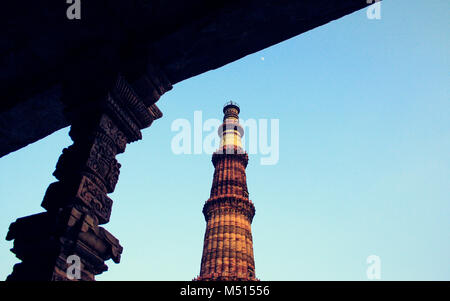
[[228, 244]]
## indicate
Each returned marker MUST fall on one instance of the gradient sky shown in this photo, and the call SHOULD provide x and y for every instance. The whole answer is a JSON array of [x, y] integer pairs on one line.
[[364, 168]]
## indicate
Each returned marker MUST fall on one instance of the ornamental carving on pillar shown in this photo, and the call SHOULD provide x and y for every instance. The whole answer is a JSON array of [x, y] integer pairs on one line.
[[86, 171]]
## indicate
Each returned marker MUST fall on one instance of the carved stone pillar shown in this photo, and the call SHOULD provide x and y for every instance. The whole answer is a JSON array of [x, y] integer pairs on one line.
[[86, 171]]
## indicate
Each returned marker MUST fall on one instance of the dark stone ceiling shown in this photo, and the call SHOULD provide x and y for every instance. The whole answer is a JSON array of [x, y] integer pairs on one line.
[[48, 62]]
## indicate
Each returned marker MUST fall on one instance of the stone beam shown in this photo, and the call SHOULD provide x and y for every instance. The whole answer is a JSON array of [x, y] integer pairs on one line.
[[187, 38]]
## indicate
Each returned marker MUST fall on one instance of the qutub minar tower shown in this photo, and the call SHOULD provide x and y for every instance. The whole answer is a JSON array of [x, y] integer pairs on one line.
[[228, 245]]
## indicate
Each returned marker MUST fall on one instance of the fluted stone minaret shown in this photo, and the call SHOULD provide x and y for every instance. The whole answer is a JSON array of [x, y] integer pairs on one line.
[[228, 244]]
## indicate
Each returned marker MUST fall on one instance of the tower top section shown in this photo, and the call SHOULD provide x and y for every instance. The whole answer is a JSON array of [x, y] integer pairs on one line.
[[231, 131], [231, 110], [231, 104]]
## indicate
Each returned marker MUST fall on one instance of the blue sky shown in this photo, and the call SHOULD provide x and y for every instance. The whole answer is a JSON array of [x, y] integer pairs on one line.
[[364, 167]]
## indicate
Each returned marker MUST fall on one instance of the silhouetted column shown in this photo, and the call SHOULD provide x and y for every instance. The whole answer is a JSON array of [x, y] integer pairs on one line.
[[86, 171]]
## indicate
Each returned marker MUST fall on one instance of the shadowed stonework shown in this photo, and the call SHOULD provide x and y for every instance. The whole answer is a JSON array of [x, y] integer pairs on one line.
[[43, 54], [78, 202]]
